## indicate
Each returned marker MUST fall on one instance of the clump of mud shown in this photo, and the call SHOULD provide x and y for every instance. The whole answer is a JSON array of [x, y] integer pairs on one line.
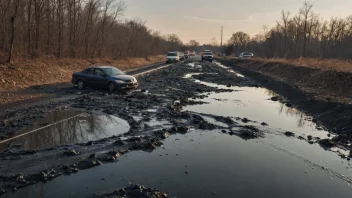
[[134, 191]]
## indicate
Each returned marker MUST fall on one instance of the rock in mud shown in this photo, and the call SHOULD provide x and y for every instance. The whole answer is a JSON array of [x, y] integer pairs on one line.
[[250, 132], [310, 137], [226, 120], [245, 120], [93, 156], [301, 138], [134, 191], [86, 164], [223, 131], [327, 143], [288, 105], [118, 143], [70, 152], [161, 134], [114, 154], [153, 144], [275, 98], [180, 129], [264, 124], [289, 134]]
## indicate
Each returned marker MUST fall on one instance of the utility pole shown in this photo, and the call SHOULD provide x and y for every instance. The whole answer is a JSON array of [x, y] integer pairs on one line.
[[222, 30]]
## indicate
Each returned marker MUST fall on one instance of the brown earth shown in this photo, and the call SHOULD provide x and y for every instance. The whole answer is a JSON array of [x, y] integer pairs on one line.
[[18, 80], [331, 83]]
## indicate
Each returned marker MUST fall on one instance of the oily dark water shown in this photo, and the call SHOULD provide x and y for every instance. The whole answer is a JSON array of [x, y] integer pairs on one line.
[[66, 128], [202, 164]]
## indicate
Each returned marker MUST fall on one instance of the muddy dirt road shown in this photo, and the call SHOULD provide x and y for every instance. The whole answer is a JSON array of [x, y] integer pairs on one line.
[[194, 129]]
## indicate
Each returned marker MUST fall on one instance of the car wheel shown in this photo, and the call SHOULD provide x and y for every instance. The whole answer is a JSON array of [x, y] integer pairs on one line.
[[80, 84], [111, 87]]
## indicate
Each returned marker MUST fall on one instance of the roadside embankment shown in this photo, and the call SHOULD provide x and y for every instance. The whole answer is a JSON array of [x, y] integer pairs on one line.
[[324, 94], [18, 79], [322, 80]]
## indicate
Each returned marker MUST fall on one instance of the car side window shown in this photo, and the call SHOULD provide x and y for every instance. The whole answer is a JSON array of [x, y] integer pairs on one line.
[[98, 72], [89, 71]]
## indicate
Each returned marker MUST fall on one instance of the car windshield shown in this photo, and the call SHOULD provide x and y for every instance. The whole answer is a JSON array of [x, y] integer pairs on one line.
[[186, 52], [208, 54], [112, 71], [172, 54]]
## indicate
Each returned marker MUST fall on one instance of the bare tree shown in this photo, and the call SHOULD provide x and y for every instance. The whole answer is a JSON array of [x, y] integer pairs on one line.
[[13, 28], [306, 10]]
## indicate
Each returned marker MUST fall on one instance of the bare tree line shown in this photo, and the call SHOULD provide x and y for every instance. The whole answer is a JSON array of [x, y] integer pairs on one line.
[[302, 35], [77, 29]]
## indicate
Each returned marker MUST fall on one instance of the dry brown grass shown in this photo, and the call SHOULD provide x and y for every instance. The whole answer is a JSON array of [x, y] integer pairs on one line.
[[25, 72], [324, 64]]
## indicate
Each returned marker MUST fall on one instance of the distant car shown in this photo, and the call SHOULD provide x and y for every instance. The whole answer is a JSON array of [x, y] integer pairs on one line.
[[172, 57], [182, 56], [207, 56], [187, 54], [246, 55], [193, 53], [104, 77]]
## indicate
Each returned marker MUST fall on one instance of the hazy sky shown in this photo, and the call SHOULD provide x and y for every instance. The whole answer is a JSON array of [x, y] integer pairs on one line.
[[202, 19]]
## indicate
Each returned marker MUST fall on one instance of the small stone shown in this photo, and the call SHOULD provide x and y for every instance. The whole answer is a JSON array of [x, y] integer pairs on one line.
[[329, 135], [306, 171], [289, 134], [314, 120], [103, 179], [93, 156], [228, 85], [186, 172], [309, 137], [223, 131], [264, 124], [288, 105], [275, 98], [245, 120]]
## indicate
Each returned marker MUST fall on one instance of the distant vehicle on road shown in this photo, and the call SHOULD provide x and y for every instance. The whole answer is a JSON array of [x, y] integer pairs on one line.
[[104, 77], [187, 54], [193, 53], [182, 56], [208, 56], [246, 55], [172, 57]]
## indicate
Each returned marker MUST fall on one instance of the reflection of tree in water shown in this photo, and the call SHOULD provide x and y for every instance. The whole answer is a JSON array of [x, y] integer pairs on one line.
[[293, 113], [287, 110], [76, 130]]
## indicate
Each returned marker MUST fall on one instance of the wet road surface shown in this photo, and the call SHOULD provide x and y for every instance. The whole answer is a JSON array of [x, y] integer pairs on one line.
[[207, 163], [203, 164]]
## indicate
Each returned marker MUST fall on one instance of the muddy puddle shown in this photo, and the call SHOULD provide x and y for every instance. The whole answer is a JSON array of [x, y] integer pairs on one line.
[[66, 128], [202, 164], [275, 119]]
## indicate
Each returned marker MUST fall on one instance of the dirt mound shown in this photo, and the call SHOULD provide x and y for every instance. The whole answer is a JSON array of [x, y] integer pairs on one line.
[[328, 83]]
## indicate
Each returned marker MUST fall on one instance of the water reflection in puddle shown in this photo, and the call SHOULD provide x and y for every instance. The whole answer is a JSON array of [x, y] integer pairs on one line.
[[216, 164], [228, 69], [254, 104], [79, 128]]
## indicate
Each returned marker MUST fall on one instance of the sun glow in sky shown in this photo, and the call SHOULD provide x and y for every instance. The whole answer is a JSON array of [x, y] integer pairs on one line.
[[201, 20]]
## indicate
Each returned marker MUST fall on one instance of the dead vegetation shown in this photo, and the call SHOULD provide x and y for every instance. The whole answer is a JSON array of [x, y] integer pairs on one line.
[[26, 72], [342, 65]]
